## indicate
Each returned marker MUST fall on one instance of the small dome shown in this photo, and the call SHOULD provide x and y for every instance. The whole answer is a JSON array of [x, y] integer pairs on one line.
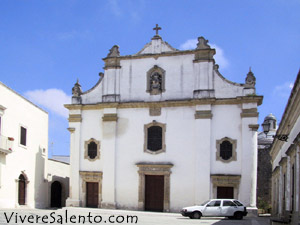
[[270, 117]]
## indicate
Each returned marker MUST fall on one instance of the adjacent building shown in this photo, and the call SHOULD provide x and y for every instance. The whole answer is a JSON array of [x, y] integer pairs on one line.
[[163, 129], [285, 152], [27, 177]]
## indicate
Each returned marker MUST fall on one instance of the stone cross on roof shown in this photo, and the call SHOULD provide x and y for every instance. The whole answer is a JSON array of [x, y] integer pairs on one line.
[[157, 28]]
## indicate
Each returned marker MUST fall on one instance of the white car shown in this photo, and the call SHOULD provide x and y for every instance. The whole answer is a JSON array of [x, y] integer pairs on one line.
[[231, 208]]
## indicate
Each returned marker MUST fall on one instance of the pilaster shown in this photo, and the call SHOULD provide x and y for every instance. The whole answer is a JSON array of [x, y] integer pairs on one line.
[[74, 191], [203, 70], [288, 185], [249, 151], [111, 80], [109, 123], [280, 194], [203, 117], [297, 172]]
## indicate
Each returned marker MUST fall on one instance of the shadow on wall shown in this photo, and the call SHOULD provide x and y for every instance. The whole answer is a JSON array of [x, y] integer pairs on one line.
[[40, 185], [58, 191], [50, 192]]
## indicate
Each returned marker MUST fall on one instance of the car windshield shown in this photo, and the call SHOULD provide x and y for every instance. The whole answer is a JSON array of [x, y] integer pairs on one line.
[[204, 203]]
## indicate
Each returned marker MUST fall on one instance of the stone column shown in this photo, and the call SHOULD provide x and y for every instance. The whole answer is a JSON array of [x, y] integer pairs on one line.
[[203, 117], [109, 157]]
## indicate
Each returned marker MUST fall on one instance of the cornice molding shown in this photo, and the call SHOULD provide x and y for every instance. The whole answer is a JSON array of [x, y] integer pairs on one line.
[[170, 103], [110, 117], [75, 118], [254, 127], [249, 113]]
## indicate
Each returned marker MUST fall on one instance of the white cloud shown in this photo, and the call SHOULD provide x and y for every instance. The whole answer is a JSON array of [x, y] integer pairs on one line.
[[219, 56], [189, 44], [283, 90], [51, 99]]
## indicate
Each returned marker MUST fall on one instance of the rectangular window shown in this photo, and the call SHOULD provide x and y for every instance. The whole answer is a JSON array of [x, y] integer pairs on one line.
[[23, 136]]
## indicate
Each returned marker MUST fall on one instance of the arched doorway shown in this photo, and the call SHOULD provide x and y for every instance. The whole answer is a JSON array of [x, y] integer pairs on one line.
[[56, 194], [22, 189]]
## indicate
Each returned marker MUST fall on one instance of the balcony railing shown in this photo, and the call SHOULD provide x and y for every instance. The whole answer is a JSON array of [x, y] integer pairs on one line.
[[6, 144]]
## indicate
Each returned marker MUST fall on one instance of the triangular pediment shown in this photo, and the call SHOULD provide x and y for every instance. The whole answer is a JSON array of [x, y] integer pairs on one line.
[[156, 46]]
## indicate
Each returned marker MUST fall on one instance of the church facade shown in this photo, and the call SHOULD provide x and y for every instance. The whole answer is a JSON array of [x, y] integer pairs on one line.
[[163, 129]]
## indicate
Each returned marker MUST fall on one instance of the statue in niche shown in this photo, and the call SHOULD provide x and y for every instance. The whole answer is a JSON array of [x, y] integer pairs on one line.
[[155, 83]]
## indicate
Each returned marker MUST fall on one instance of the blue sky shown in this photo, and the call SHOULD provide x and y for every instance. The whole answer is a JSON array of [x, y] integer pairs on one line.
[[46, 45]]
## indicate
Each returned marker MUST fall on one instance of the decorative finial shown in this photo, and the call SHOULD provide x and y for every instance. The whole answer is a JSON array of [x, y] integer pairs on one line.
[[76, 90], [202, 43], [250, 79], [114, 51]]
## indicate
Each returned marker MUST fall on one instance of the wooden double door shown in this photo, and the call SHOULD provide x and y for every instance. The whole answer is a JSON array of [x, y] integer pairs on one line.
[[225, 192], [154, 193], [92, 194]]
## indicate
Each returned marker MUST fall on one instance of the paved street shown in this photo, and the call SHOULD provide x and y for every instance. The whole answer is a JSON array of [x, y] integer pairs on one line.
[[68, 216]]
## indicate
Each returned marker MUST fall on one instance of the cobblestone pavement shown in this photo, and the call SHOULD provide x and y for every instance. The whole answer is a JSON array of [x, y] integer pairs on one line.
[[69, 216]]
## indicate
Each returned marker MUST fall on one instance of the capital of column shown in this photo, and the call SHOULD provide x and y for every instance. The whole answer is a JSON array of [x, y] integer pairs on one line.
[[71, 129]]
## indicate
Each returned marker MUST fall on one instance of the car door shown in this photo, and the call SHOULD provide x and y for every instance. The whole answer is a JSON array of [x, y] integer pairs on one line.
[[228, 208], [213, 208]]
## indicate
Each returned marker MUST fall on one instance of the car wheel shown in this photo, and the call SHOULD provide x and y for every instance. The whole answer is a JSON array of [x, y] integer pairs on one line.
[[196, 215], [238, 215]]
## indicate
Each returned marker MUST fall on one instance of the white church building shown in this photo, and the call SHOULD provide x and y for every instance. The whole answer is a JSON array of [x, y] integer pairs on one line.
[[163, 129]]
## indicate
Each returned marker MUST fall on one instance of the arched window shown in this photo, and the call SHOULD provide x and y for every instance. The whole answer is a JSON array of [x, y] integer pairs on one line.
[[226, 150], [92, 149], [155, 137]]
